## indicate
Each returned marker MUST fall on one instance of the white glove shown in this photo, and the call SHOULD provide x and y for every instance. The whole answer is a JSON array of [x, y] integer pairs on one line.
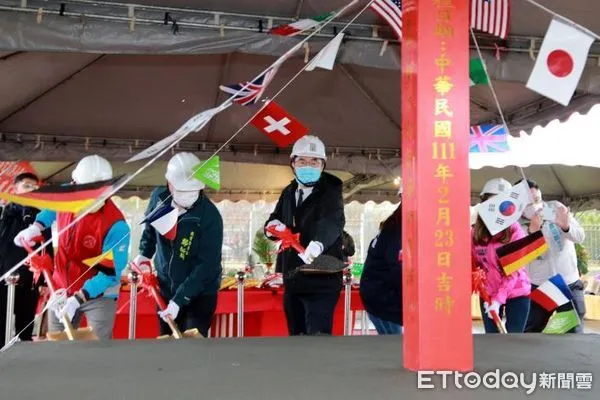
[[57, 301], [69, 310], [143, 263], [172, 310], [27, 235], [495, 306], [312, 251], [279, 226]]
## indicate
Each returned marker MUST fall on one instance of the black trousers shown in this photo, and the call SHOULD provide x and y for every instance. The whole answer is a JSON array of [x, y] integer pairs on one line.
[[310, 313], [26, 298], [538, 316], [198, 314]]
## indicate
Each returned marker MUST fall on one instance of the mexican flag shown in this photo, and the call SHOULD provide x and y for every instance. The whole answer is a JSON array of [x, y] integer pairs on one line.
[[477, 73], [301, 25]]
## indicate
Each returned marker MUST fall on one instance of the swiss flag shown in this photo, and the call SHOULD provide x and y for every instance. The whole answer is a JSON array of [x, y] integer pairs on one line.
[[279, 125], [560, 62]]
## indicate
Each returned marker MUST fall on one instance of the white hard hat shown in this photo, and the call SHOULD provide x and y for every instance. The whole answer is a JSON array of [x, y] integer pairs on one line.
[[309, 146], [92, 169], [180, 172], [496, 186]]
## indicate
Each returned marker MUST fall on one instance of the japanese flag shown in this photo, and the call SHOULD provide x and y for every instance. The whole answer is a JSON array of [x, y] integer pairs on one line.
[[503, 210], [560, 62], [279, 125]]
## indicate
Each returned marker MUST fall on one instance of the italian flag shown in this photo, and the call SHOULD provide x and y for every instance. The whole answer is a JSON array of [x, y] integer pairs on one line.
[[301, 25], [477, 73]]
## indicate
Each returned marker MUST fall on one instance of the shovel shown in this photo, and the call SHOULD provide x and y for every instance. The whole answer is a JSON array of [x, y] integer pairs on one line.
[[150, 283], [478, 286], [42, 264], [323, 264]]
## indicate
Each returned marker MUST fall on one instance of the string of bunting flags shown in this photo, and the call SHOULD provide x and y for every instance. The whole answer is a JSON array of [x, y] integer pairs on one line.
[[194, 124]]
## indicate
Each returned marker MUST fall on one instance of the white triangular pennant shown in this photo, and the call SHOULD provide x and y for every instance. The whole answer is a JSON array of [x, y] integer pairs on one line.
[[326, 57]]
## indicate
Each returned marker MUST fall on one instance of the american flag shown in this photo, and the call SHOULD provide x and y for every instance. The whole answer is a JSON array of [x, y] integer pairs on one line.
[[391, 11], [491, 16], [251, 93], [488, 139]]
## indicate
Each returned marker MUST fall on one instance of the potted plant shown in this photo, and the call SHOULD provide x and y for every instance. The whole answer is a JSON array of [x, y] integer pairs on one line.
[[265, 249], [583, 259]]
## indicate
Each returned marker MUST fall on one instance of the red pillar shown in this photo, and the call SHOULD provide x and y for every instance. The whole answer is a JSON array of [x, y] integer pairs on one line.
[[436, 179]]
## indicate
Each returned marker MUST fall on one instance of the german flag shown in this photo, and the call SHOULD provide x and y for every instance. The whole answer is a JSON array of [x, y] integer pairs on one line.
[[519, 253], [62, 198]]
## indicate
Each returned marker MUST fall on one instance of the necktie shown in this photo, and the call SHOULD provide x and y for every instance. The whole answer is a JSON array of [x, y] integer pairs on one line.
[[300, 197]]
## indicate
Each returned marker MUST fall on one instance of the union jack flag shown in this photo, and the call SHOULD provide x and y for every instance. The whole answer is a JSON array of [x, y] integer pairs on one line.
[[248, 93], [488, 139]]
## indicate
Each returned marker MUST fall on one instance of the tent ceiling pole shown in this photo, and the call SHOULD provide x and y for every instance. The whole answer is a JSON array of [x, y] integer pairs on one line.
[[560, 182], [118, 12], [69, 165], [360, 182], [9, 55], [364, 91], [39, 96], [542, 104], [484, 108], [298, 9], [223, 75]]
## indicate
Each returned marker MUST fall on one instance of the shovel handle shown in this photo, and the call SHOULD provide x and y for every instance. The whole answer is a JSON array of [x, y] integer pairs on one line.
[[176, 332], [486, 298], [161, 304], [498, 322], [69, 329]]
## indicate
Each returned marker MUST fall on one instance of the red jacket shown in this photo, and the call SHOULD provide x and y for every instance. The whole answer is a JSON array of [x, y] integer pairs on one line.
[[81, 242]]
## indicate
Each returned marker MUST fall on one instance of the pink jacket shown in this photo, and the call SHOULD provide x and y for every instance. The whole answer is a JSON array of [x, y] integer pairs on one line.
[[499, 286]]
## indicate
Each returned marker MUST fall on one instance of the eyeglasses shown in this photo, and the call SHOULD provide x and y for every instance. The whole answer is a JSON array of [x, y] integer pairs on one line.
[[308, 162]]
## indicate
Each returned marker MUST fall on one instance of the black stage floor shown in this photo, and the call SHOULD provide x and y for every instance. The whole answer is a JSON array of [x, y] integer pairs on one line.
[[304, 368]]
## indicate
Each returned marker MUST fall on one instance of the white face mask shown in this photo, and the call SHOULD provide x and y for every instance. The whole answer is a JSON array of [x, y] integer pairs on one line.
[[185, 199]]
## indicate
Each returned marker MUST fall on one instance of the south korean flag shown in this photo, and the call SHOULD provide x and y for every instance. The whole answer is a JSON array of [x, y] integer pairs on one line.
[[503, 210]]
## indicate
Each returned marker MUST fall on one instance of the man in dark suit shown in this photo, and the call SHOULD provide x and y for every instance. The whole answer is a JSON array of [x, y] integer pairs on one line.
[[311, 205]]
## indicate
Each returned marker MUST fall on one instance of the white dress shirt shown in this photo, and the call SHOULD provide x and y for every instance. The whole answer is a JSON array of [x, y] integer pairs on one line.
[[561, 257], [306, 191]]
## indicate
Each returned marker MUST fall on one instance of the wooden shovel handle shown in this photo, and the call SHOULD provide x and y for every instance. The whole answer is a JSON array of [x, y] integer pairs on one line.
[[162, 305]]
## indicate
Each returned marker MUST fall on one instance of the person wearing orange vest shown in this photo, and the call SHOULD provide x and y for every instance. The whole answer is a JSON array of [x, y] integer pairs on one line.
[[91, 286]]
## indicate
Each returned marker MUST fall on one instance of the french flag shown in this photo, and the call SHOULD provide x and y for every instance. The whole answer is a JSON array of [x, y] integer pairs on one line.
[[164, 220], [552, 294]]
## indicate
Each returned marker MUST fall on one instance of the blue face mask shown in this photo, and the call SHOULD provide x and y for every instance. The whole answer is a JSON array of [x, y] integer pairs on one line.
[[308, 176]]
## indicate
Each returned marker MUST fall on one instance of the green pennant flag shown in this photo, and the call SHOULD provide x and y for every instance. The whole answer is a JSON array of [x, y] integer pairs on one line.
[[357, 269], [209, 172], [477, 73], [562, 322]]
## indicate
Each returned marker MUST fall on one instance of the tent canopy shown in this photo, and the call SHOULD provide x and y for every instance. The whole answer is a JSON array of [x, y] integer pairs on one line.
[[85, 82]]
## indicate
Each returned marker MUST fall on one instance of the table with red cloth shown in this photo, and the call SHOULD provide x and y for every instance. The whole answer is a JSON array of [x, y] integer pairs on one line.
[[263, 314]]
